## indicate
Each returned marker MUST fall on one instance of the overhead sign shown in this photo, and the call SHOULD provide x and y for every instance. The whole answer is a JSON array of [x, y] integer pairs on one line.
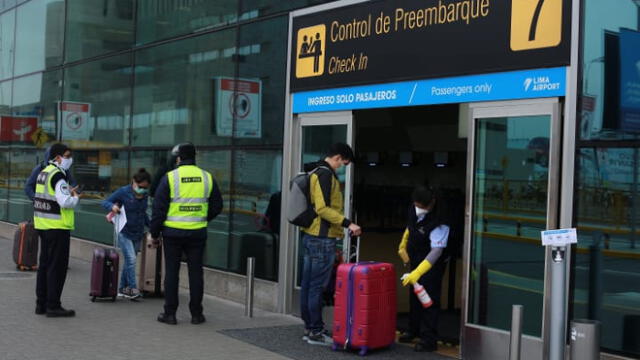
[[239, 101], [17, 129], [74, 120], [490, 87], [629, 80], [378, 41], [560, 237]]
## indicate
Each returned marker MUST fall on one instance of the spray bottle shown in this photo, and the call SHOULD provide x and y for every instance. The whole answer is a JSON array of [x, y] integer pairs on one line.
[[421, 293]]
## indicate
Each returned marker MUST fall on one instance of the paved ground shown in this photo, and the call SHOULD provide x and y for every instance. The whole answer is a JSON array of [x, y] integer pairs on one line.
[[121, 330]]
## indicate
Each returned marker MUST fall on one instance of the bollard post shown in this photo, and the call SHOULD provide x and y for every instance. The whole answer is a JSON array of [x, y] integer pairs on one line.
[[585, 340], [516, 332], [248, 302]]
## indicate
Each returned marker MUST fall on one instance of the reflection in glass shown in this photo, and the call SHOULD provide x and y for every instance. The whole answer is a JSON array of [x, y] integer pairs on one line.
[[256, 212], [4, 182], [95, 27], [159, 20], [608, 250], [174, 90], [254, 8], [39, 35], [509, 211], [263, 50], [7, 32], [101, 92]]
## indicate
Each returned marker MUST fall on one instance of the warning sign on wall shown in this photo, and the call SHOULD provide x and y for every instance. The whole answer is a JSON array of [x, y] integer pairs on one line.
[[74, 120], [239, 100], [17, 129]]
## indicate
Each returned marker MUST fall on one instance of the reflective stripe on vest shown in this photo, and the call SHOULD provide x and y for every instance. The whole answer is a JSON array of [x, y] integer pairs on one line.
[[47, 213], [190, 188]]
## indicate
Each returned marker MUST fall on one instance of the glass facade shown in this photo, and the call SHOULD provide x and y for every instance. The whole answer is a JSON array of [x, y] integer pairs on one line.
[[123, 81], [606, 284]]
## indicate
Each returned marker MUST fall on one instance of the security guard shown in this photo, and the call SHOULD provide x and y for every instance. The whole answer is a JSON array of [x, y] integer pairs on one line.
[[423, 246], [186, 199], [53, 217]]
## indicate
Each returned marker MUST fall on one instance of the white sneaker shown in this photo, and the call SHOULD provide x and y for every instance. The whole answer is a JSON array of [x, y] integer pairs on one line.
[[305, 337], [320, 338]]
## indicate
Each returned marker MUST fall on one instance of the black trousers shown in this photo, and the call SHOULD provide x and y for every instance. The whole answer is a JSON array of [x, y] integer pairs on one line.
[[52, 267], [174, 247], [424, 322]]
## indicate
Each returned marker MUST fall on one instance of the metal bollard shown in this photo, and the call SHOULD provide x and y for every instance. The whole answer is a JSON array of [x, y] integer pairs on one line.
[[516, 332], [585, 340], [248, 301]]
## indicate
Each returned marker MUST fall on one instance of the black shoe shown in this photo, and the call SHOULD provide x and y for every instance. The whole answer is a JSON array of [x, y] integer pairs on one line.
[[423, 347], [60, 312], [406, 338], [41, 310], [198, 319], [167, 319]]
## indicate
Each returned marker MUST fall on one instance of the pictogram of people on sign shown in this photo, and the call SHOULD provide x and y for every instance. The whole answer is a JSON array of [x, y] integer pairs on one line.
[[311, 47]]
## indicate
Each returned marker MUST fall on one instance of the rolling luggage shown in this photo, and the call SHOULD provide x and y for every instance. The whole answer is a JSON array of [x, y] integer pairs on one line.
[[365, 306], [25, 247], [151, 268], [104, 274]]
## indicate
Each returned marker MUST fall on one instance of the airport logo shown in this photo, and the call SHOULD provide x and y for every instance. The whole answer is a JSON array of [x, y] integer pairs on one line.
[[535, 24], [540, 83], [310, 51]]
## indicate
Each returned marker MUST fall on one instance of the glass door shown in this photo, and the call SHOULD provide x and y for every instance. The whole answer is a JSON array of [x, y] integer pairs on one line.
[[511, 195], [316, 133]]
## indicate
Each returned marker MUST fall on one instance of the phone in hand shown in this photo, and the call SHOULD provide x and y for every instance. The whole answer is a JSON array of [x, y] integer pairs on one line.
[[79, 189]]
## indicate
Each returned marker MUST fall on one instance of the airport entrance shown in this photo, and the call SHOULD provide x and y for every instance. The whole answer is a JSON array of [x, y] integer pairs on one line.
[[495, 165]]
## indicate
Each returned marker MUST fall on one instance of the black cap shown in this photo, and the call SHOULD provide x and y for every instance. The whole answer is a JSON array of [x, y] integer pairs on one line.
[[57, 149], [186, 151]]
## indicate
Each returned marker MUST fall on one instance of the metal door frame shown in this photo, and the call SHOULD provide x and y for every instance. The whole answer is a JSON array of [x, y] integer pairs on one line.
[[291, 166], [481, 342]]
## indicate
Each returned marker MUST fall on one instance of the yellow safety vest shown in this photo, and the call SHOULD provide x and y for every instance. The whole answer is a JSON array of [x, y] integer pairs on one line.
[[47, 213], [190, 188]]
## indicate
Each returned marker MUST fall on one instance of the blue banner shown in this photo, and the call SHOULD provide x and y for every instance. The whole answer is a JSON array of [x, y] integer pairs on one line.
[[629, 80], [488, 87]]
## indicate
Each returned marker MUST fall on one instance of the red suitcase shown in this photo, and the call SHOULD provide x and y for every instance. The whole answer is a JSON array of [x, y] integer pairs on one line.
[[365, 306], [104, 274]]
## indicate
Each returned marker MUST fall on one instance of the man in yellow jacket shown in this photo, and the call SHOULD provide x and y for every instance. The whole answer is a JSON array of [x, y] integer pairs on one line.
[[319, 241]]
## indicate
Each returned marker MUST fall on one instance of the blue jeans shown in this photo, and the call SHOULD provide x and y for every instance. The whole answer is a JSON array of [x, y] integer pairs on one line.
[[128, 277], [319, 257]]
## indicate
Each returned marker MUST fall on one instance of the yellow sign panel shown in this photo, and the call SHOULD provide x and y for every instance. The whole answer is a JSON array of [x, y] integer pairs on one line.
[[535, 24], [310, 51], [39, 137]]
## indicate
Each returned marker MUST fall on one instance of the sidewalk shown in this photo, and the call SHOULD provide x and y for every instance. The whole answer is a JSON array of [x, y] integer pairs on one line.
[[129, 330], [121, 330]]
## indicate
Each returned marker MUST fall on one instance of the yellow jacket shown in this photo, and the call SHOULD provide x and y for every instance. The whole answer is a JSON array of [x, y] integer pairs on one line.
[[327, 200]]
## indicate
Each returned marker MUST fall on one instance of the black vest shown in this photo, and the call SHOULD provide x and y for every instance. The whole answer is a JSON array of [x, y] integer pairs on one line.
[[419, 244]]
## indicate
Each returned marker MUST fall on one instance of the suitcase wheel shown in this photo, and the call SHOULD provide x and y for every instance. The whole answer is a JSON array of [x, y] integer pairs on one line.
[[363, 351], [93, 299], [335, 346]]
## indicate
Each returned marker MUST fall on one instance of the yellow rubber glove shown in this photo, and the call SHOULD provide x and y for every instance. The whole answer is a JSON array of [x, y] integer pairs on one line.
[[416, 274], [402, 249]]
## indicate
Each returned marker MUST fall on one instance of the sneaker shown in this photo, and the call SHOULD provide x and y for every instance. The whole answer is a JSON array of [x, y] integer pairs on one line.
[[123, 293], [134, 293], [305, 336], [320, 338]]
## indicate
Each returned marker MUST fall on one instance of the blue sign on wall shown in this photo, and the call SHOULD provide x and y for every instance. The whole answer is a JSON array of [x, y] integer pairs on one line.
[[512, 85], [629, 79]]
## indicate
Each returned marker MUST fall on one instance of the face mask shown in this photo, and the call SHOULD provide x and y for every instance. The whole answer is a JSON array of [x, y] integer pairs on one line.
[[65, 164], [141, 191], [420, 211]]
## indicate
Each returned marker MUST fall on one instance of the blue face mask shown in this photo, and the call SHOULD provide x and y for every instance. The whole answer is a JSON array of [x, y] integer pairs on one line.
[[141, 191]]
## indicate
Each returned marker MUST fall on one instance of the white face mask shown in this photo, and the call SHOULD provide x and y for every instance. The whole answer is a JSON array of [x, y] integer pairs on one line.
[[65, 164], [420, 211]]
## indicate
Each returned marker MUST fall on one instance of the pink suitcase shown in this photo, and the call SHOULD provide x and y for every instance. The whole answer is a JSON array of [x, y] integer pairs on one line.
[[104, 274], [365, 306]]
